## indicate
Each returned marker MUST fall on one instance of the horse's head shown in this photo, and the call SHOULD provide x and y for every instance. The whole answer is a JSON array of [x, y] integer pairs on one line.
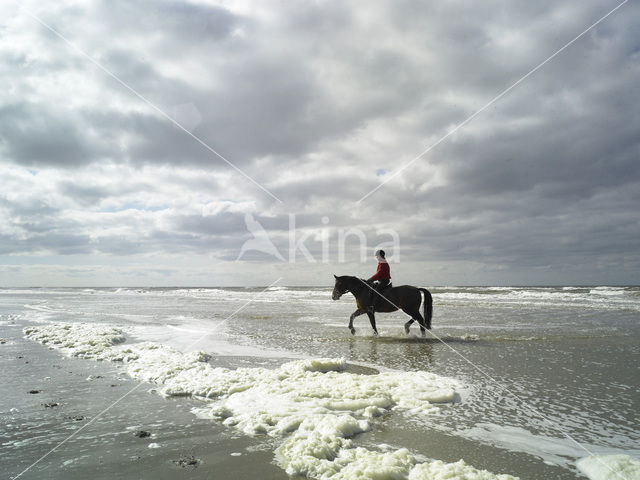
[[339, 288]]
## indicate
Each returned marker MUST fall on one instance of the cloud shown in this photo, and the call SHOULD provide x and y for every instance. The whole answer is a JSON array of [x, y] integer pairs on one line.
[[34, 136], [319, 104]]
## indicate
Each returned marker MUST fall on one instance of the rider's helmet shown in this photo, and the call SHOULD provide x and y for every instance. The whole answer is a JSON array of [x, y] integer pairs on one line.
[[380, 253]]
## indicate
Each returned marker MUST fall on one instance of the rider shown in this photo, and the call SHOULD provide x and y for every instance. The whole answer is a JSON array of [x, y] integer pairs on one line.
[[383, 277]]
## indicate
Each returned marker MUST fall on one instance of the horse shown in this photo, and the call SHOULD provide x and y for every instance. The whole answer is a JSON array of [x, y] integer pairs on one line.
[[405, 297]]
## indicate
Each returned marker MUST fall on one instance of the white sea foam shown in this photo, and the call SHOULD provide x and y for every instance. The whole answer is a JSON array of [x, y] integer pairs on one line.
[[77, 340], [315, 451], [314, 404], [439, 470], [610, 467], [209, 335], [555, 451], [608, 291]]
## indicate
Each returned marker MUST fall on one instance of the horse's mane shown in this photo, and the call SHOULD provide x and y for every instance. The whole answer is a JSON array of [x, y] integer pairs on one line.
[[354, 278], [363, 280]]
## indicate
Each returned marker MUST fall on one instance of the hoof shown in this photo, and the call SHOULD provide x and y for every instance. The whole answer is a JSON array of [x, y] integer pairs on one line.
[[353, 331], [406, 329], [375, 333]]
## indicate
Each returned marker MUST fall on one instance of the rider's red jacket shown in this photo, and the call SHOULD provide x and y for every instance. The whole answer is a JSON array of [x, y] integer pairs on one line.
[[382, 273]]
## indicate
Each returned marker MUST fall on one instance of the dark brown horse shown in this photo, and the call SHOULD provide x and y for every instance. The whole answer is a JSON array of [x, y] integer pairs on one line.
[[405, 297]]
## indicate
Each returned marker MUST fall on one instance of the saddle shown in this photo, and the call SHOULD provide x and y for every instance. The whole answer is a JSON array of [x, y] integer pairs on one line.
[[387, 287], [379, 292], [377, 296]]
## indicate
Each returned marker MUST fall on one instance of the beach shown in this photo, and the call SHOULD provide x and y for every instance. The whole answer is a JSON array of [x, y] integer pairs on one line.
[[517, 382]]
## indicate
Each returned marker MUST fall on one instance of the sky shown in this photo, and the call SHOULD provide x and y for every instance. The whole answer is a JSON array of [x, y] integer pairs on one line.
[[241, 143]]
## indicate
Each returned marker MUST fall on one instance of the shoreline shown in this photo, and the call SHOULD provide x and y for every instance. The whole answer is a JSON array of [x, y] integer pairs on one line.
[[69, 389]]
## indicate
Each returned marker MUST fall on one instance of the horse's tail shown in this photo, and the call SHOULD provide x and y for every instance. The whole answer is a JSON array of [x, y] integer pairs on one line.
[[428, 306]]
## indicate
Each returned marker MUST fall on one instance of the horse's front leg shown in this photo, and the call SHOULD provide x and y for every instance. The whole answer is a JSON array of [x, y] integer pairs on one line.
[[372, 319], [354, 315]]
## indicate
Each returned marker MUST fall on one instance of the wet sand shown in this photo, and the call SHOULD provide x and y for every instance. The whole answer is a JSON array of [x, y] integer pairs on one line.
[[108, 447]]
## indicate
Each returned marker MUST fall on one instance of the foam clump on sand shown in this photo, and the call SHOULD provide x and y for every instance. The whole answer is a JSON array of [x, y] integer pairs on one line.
[[610, 467], [287, 395], [77, 340], [318, 365], [321, 453], [314, 405], [316, 456]]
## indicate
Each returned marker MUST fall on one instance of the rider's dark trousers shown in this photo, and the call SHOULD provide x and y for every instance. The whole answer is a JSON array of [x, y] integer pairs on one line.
[[380, 285]]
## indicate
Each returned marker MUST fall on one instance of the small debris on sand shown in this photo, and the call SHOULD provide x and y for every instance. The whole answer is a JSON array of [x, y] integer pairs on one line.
[[186, 461], [142, 434], [33, 392]]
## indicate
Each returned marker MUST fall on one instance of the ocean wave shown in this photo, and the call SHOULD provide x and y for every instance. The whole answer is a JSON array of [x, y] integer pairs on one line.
[[604, 298], [616, 291], [601, 297]]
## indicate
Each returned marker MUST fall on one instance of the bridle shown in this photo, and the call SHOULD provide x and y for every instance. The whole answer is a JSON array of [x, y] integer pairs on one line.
[[339, 292]]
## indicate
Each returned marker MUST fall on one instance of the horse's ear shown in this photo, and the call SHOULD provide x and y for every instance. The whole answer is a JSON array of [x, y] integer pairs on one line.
[[335, 275]]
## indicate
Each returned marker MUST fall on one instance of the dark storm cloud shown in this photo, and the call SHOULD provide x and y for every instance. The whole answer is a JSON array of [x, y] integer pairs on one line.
[[547, 177], [261, 100], [91, 191], [32, 135], [276, 101], [87, 195], [48, 133], [320, 103], [178, 22]]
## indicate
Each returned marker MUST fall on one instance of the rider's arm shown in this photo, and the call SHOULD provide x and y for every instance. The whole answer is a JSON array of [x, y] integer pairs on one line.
[[376, 276]]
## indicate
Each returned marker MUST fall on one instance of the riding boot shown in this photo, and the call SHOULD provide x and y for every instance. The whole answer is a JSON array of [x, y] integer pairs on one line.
[[372, 296], [375, 297], [377, 293], [372, 308]]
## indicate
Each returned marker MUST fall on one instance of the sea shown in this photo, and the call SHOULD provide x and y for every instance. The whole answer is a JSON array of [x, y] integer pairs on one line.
[[269, 383]]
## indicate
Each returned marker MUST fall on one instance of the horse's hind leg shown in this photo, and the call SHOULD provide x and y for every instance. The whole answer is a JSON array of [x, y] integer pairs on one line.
[[415, 315], [354, 315], [372, 319], [407, 325]]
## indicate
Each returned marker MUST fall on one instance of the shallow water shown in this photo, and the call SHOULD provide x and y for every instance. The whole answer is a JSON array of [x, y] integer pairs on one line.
[[547, 375]]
